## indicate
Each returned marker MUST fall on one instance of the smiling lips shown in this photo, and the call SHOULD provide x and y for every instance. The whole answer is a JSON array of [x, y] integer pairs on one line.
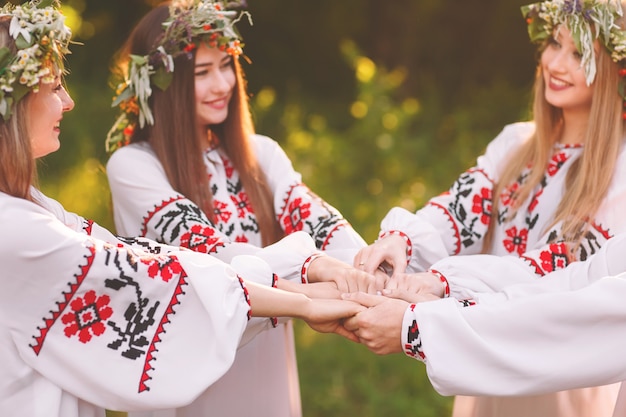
[[218, 104], [558, 84]]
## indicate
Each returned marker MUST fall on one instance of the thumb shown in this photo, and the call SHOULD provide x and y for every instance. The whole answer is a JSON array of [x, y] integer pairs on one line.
[[408, 296], [367, 300]]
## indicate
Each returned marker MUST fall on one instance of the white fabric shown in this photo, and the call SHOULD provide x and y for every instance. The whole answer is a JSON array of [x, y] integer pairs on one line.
[[88, 324], [454, 224], [523, 346], [263, 381]]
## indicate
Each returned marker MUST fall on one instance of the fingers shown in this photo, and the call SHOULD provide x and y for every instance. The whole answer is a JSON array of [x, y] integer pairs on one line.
[[343, 331], [367, 300]]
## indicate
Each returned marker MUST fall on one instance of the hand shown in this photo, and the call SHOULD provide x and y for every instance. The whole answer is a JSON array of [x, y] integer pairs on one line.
[[389, 251], [325, 316], [346, 278], [379, 327], [415, 287], [312, 290]]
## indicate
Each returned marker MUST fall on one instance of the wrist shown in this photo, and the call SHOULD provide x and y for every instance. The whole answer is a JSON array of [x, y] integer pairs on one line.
[[405, 237], [444, 289], [305, 272]]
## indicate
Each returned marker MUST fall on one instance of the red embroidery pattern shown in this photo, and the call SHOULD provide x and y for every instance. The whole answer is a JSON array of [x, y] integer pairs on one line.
[[163, 266], [455, 229], [220, 212], [246, 295], [413, 346], [61, 305], [467, 205], [88, 226], [483, 205], [87, 316], [304, 271], [516, 240], [298, 212], [554, 258], [150, 215], [151, 351], [200, 239], [340, 224], [241, 239], [556, 162], [242, 203]]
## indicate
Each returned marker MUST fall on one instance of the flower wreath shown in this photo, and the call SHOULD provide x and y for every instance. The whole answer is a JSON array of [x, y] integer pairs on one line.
[[587, 20], [189, 22], [42, 40]]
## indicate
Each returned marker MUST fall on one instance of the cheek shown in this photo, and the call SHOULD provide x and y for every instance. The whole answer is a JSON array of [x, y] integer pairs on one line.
[[230, 78]]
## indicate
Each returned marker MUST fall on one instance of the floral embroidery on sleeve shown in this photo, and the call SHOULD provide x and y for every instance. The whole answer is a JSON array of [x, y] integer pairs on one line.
[[88, 316]]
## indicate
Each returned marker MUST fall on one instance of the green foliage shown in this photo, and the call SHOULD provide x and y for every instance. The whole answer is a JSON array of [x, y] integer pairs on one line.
[[342, 378]]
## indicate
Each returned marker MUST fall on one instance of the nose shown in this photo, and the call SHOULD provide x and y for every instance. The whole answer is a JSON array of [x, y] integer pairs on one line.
[[557, 60], [66, 100], [221, 83]]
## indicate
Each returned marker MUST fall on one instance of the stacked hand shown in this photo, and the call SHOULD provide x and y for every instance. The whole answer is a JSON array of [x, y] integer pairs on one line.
[[375, 302]]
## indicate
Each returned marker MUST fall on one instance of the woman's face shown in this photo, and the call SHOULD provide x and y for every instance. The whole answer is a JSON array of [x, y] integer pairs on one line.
[[214, 83], [564, 78], [45, 110]]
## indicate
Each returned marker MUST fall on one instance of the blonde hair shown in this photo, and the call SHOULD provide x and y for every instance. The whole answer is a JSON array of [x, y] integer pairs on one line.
[[588, 180]]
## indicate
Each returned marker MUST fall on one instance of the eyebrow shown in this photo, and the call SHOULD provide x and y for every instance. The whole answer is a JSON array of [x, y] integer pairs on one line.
[[209, 64]]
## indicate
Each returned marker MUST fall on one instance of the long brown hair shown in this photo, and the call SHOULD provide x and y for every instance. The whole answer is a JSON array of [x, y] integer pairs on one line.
[[17, 166], [588, 180], [175, 140]]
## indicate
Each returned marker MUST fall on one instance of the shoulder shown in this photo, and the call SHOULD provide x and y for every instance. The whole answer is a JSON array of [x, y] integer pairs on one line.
[[133, 154], [511, 136], [262, 142], [516, 132], [266, 148]]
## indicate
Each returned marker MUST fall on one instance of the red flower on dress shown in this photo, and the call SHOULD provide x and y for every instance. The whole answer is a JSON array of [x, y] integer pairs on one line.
[[221, 214], [87, 316], [298, 212], [516, 240], [199, 239], [509, 194], [163, 266], [554, 258], [556, 163], [242, 203], [482, 205]]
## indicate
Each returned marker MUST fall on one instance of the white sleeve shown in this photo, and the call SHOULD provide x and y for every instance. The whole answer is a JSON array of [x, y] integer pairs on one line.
[[557, 340], [117, 327], [475, 277], [455, 222], [300, 209]]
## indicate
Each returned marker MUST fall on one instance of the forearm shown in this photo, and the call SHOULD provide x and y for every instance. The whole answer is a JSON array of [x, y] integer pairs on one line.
[[274, 302]]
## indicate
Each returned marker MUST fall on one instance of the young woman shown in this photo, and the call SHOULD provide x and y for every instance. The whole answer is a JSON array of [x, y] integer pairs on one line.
[[89, 321], [195, 174], [546, 193]]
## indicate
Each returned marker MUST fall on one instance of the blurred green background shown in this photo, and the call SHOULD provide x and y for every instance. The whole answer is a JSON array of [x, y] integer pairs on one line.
[[377, 103]]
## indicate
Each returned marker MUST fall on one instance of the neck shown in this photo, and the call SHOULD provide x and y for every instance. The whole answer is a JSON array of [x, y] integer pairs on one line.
[[574, 128]]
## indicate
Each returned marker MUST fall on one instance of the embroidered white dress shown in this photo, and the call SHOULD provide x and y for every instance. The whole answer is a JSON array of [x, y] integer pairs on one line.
[[89, 322], [454, 224], [562, 332], [263, 380]]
